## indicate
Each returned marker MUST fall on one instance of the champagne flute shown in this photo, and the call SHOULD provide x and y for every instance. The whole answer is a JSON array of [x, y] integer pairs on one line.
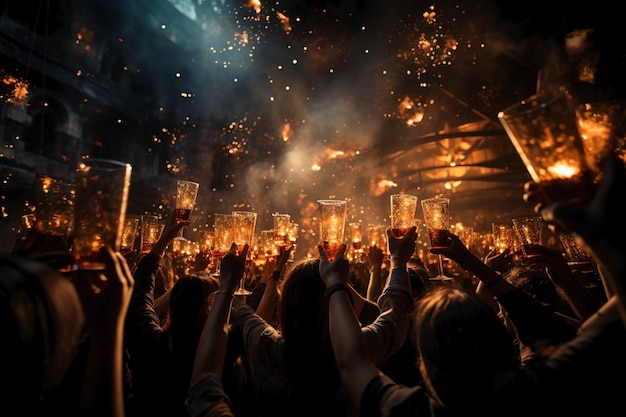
[[244, 223], [332, 221], [223, 236], [356, 236], [437, 218], [186, 193]]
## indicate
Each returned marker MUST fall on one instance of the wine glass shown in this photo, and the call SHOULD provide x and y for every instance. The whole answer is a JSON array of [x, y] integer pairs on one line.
[[281, 228], [244, 223], [377, 236], [356, 237], [437, 218], [186, 193], [223, 238]]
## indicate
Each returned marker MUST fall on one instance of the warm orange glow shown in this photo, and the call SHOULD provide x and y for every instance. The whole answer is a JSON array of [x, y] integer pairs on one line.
[[255, 4], [562, 169], [284, 21], [20, 90], [286, 132]]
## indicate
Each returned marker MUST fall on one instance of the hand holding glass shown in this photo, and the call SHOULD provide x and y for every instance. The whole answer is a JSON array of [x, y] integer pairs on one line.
[[244, 223], [437, 219], [528, 231]]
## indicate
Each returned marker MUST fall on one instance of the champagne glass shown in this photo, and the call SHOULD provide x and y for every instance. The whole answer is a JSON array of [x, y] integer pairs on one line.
[[504, 237], [402, 213], [244, 223], [356, 237], [546, 136], [528, 231], [129, 234], [223, 238], [281, 228], [150, 232], [186, 193], [332, 221], [437, 218], [377, 236]]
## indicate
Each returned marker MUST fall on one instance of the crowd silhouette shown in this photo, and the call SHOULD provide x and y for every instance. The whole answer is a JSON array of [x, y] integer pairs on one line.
[[153, 335]]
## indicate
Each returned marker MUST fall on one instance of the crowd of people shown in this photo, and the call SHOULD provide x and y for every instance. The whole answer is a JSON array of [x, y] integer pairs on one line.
[[135, 339], [319, 336]]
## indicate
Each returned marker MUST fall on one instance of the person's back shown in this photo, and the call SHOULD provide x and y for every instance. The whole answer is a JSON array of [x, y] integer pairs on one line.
[[43, 326], [292, 367], [161, 356]]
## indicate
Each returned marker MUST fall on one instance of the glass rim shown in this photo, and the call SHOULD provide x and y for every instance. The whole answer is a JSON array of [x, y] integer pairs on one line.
[[332, 201], [187, 182]]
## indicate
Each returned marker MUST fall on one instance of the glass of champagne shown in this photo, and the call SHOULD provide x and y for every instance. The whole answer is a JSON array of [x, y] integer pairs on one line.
[[332, 220], [222, 238], [129, 234], [377, 236], [281, 228], [437, 219], [356, 237], [402, 213], [529, 232], [186, 193], [150, 233], [244, 223], [545, 134]]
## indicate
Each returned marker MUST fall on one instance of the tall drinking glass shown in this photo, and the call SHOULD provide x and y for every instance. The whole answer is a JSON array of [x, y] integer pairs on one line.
[[545, 134], [356, 238], [402, 213], [377, 236], [186, 193], [129, 234], [150, 233], [244, 223], [281, 228], [102, 188], [437, 219], [223, 238], [529, 232], [332, 220], [54, 215]]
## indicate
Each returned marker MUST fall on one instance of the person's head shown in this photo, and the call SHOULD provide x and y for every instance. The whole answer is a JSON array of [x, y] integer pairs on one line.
[[462, 345], [188, 308], [166, 275], [42, 324], [534, 280], [302, 306], [303, 323]]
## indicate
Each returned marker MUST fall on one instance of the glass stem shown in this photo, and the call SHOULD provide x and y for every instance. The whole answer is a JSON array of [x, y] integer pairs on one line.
[[440, 261]]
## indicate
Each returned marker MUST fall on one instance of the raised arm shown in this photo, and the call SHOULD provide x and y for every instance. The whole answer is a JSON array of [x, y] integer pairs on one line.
[[206, 392], [105, 296], [597, 221], [212, 345], [355, 367], [266, 306], [377, 276]]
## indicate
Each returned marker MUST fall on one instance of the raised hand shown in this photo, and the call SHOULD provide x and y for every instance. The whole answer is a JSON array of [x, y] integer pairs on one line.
[[232, 268], [402, 249], [336, 271]]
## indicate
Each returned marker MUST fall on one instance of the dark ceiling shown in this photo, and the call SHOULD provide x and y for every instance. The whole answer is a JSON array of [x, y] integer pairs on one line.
[[376, 97]]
